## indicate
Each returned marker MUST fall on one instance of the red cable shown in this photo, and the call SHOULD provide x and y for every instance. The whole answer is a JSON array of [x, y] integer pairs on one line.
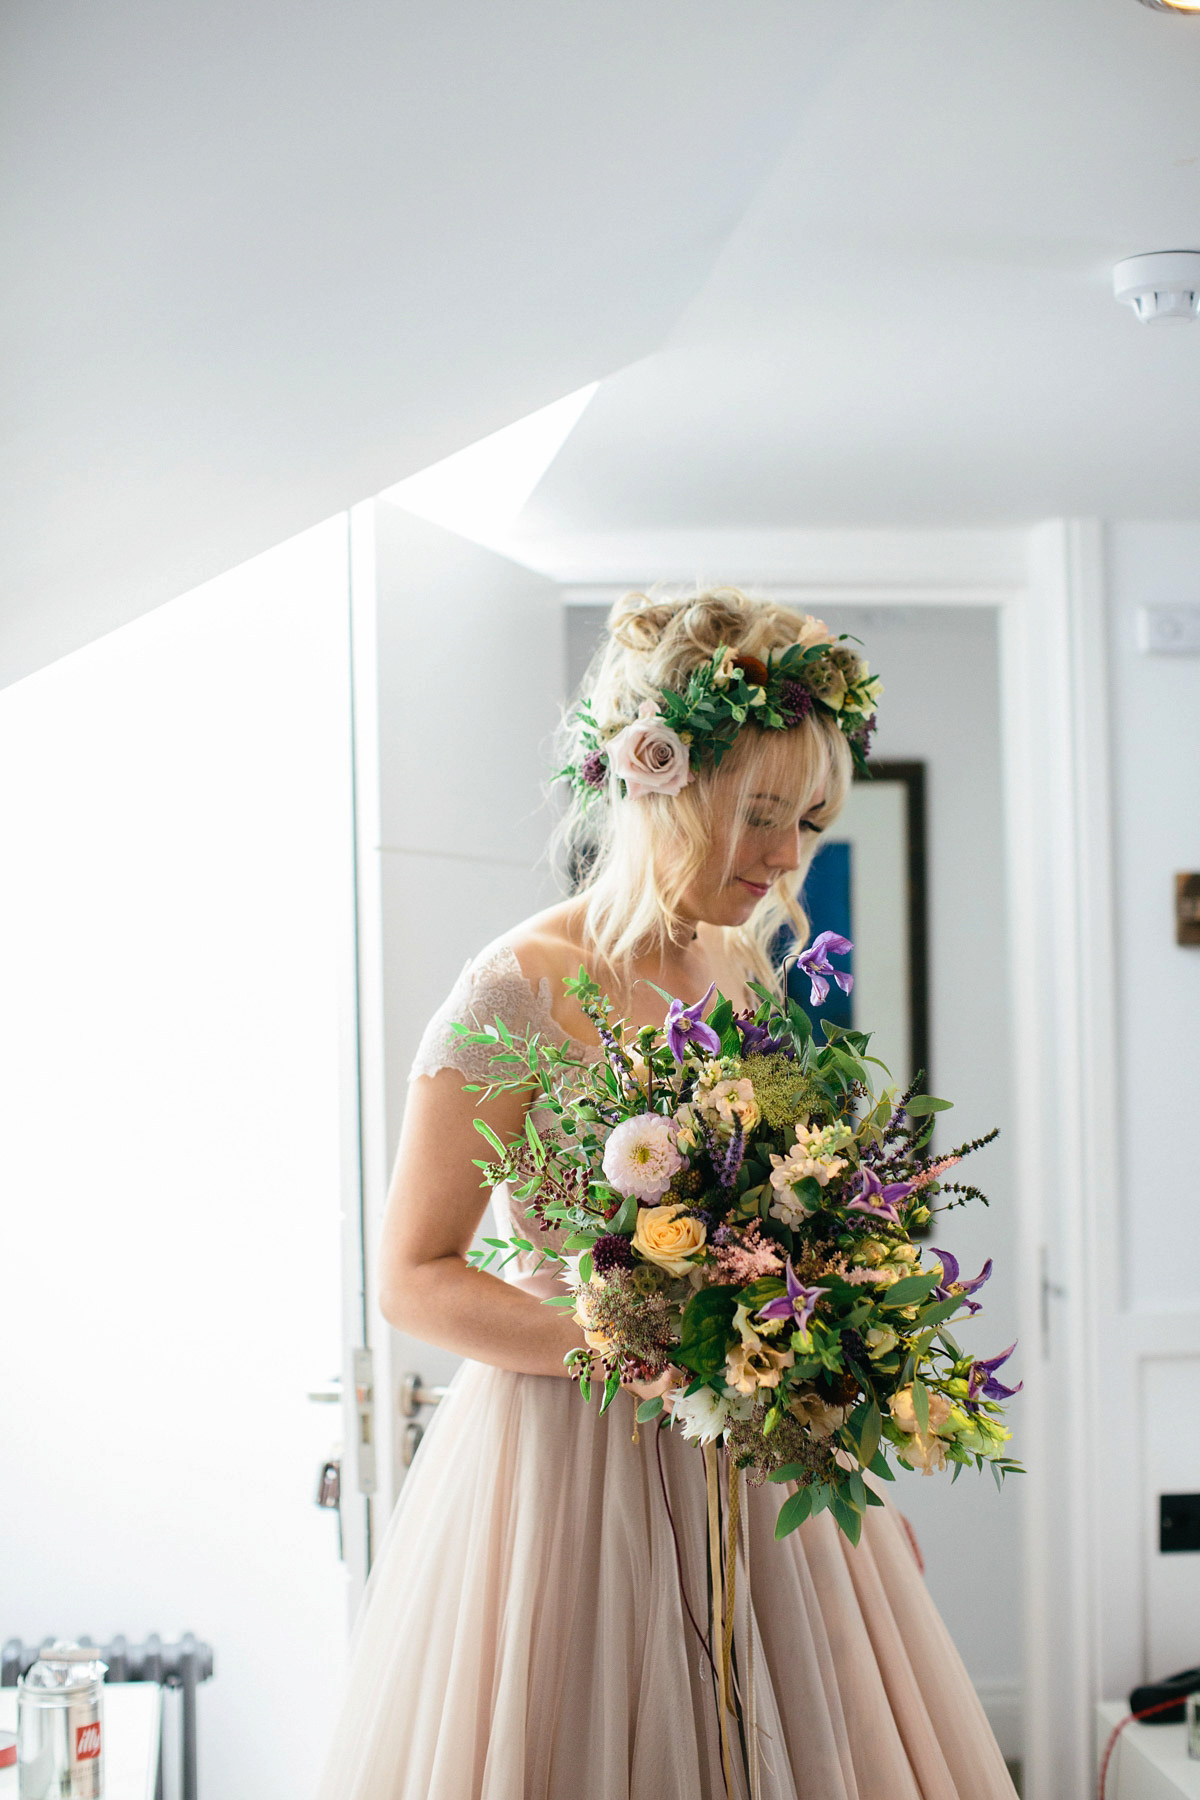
[[1118, 1729]]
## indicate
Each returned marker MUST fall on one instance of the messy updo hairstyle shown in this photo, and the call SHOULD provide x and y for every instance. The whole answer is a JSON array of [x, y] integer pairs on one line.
[[632, 860]]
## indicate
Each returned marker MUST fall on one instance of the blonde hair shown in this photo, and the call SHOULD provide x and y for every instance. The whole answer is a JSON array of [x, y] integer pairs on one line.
[[632, 860]]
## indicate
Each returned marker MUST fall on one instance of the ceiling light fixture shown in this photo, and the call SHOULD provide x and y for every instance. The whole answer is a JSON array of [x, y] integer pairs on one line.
[[1162, 288], [1176, 6]]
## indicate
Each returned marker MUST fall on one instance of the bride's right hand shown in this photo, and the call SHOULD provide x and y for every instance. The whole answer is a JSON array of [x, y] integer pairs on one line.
[[650, 1390]]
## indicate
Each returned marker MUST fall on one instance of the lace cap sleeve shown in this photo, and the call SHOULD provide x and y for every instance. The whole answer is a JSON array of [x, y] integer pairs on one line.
[[490, 987]]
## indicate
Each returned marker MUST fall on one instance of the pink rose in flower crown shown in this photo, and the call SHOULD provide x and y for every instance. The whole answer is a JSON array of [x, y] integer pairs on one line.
[[648, 756]]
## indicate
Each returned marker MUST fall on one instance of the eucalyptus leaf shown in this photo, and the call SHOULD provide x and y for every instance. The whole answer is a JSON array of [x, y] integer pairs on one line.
[[910, 1288], [792, 1514], [921, 1406], [848, 1520], [485, 1131]]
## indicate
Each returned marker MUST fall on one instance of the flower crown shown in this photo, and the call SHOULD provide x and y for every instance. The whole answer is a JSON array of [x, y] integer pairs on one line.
[[657, 752]]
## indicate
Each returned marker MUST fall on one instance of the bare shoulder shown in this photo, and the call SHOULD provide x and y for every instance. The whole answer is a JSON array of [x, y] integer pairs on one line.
[[548, 947]]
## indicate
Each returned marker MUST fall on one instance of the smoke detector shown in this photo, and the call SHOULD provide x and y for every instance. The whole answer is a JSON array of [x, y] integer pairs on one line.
[[1164, 286]]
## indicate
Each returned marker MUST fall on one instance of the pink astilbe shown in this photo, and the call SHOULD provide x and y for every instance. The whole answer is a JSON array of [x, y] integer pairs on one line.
[[747, 1260], [933, 1173]]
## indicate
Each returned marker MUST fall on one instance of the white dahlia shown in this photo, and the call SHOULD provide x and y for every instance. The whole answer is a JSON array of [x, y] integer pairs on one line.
[[641, 1156]]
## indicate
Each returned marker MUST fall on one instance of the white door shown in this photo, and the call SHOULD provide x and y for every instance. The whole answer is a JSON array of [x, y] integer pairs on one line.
[[173, 801], [457, 681]]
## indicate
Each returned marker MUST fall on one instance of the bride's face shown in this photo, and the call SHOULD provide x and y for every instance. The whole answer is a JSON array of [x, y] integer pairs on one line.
[[758, 835]]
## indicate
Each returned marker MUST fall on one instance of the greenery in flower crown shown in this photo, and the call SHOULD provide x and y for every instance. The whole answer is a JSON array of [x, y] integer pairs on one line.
[[732, 690]]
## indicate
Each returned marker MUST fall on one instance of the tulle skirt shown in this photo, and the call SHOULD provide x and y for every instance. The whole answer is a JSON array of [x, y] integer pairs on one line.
[[525, 1636]]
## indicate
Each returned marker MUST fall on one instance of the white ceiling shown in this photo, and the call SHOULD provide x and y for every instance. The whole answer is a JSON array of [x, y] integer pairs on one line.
[[914, 323], [851, 261], [264, 260]]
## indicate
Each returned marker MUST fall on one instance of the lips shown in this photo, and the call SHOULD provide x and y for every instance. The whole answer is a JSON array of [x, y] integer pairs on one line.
[[756, 887]]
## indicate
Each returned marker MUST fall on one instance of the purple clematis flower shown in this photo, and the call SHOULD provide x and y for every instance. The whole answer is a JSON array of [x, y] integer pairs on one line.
[[817, 966], [877, 1201], [951, 1287], [798, 1303], [685, 1025], [982, 1382], [756, 1039]]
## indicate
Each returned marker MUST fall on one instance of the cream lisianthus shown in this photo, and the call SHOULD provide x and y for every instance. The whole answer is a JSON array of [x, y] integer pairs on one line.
[[821, 1418], [750, 1366], [880, 1339], [669, 1236], [688, 1136], [923, 1450]]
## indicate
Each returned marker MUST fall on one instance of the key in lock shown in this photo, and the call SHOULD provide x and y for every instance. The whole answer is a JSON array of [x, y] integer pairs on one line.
[[329, 1483]]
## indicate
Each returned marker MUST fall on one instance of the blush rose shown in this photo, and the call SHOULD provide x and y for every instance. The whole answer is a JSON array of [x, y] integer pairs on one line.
[[648, 756]]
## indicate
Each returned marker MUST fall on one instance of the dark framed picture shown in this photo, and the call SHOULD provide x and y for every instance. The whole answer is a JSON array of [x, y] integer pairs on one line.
[[867, 882]]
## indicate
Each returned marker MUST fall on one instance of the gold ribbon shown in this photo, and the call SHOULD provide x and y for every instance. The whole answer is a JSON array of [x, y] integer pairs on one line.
[[724, 1592], [717, 1630]]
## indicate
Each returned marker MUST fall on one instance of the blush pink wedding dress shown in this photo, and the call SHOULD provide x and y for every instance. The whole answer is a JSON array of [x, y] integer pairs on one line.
[[524, 1635]]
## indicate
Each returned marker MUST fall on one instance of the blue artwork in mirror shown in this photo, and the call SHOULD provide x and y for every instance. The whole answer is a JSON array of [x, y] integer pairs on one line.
[[828, 899]]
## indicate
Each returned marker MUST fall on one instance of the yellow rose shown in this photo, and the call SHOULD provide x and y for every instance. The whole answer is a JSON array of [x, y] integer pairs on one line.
[[663, 1237]]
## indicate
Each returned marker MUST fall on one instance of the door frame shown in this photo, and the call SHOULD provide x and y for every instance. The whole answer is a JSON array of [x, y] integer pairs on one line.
[[1046, 587]]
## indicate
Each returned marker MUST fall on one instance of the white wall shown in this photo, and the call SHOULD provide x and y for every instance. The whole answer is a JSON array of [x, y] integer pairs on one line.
[[1156, 778], [952, 653], [1155, 709], [459, 665], [174, 826]]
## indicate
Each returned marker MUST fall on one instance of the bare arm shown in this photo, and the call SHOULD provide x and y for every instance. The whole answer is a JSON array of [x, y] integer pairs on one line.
[[426, 1286]]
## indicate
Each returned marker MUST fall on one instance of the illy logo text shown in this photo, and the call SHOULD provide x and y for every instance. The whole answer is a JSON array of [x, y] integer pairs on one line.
[[87, 1741]]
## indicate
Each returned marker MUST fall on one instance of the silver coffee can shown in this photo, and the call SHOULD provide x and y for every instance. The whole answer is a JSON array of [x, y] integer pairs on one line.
[[60, 1725]]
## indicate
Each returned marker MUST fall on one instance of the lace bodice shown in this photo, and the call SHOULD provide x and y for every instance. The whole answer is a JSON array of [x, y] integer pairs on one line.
[[490, 987]]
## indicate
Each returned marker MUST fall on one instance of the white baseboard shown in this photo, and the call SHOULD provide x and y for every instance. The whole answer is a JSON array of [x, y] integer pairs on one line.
[[1003, 1705]]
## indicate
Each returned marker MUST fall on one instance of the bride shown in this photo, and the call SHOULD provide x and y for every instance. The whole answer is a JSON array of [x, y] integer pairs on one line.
[[527, 1630]]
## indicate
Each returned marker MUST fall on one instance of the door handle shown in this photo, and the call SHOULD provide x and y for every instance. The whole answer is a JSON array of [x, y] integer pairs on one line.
[[414, 1395]]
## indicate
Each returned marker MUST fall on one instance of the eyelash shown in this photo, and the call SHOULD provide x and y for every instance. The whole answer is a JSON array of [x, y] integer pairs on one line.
[[769, 825]]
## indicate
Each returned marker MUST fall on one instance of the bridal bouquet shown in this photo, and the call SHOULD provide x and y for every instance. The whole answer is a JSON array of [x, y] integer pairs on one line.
[[740, 1209]]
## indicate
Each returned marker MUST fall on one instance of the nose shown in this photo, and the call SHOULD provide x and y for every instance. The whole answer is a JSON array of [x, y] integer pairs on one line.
[[784, 850]]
